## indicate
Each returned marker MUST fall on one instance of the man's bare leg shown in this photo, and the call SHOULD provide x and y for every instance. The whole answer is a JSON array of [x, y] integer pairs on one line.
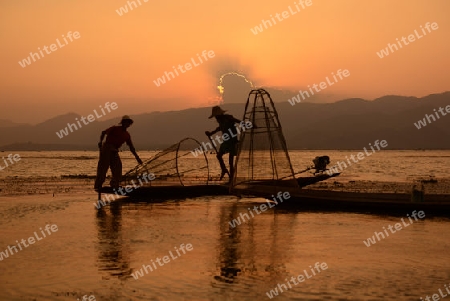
[[222, 165], [231, 161]]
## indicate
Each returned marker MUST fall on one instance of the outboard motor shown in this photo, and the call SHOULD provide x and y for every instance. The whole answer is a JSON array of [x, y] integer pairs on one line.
[[320, 163]]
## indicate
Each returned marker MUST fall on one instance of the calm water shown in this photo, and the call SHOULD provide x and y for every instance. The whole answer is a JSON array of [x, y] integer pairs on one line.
[[95, 252], [382, 166]]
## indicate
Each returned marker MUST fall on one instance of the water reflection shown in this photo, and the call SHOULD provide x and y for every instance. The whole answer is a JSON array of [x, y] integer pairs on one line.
[[253, 253], [229, 243], [113, 254], [259, 247]]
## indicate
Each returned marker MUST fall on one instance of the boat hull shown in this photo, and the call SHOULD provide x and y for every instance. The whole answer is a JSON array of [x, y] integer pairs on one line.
[[372, 203]]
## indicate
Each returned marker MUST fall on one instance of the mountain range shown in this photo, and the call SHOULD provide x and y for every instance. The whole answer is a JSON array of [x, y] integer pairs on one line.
[[346, 124]]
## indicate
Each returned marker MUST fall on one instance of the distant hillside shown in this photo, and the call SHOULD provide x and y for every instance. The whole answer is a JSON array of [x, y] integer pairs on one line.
[[44, 147], [8, 123], [347, 124]]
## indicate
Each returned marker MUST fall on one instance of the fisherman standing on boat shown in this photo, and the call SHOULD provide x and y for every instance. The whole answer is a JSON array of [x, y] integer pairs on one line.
[[227, 127], [109, 152]]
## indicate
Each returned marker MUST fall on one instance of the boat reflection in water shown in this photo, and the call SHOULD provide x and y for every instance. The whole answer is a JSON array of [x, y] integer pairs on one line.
[[247, 261], [238, 251], [246, 250]]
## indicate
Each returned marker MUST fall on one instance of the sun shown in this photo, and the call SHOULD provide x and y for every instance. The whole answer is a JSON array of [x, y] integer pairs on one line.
[[221, 88]]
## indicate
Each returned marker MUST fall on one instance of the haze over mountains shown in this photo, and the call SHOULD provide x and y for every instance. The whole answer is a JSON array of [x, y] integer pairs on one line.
[[346, 124]]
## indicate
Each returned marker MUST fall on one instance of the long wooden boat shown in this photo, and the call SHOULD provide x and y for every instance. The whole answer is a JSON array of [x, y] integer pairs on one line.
[[364, 202], [302, 198], [172, 190]]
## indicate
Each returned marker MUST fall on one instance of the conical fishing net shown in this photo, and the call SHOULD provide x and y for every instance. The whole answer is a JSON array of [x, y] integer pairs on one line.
[[263, 158], [174, 166]]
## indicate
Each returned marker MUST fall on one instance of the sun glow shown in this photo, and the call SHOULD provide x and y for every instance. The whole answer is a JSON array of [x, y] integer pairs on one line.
[[221, 88]]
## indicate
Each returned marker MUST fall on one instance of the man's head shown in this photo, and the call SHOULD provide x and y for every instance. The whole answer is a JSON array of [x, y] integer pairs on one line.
[[216, 111], [126, 121]]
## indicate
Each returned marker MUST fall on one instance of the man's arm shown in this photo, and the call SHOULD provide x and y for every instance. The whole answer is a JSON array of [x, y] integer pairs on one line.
[[101, 139], [236, 120], [133, 151], [241, 122], [213, 132], [105, 132]]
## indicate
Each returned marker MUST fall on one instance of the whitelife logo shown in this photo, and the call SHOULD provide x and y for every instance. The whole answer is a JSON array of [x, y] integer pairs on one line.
[[423, 122], [371, 240], [27, 61], [281, 287], [30, 240], [411, 38], [224, 136], [334, 169], [128, 189], [167, 75], [241, 218], [280, 17], [323, 85], [90, 118], [10, 157], [165, 260], [123, 10]]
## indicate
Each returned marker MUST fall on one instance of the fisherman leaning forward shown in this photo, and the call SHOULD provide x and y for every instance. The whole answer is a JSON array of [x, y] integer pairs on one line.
[[109, 152]]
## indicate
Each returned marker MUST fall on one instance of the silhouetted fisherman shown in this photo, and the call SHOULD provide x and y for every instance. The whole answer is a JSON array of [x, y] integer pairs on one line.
[[227, 127], [320, 163], [109, 153]]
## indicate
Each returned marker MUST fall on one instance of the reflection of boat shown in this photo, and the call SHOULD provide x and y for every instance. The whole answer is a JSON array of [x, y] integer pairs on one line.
[[170, 192], [244, 253]]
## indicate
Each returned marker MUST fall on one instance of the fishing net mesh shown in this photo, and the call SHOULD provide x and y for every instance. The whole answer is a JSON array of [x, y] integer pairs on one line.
[[174, 166], [263, 158]]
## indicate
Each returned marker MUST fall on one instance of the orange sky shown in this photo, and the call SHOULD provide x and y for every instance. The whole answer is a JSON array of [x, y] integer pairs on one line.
[[119, 57]]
